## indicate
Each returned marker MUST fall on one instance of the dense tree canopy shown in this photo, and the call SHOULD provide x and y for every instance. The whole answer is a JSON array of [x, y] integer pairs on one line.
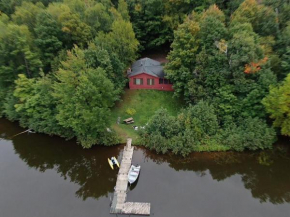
[[230, 62], [226, 65], [18, 53], [63, 66]]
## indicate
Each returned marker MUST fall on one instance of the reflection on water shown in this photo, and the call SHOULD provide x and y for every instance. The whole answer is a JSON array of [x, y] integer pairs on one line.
[[265, 174], [195, 180]]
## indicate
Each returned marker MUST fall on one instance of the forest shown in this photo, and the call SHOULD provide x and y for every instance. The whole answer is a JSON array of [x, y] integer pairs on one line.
[[63, 68]]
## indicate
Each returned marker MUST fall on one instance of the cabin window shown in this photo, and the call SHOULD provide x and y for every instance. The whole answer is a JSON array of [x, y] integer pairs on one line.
[[165, 81], [160, 80], [150, 81], [138, 81]]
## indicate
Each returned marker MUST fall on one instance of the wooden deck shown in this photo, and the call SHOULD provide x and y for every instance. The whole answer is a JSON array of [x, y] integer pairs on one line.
[[119, 204]]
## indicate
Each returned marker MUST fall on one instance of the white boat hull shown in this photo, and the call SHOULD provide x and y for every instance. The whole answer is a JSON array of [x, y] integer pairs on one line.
[[133, 173]]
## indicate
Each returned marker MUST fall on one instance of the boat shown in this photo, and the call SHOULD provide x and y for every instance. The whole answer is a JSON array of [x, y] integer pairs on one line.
[[111, 163], [116, 161], [133, 173]]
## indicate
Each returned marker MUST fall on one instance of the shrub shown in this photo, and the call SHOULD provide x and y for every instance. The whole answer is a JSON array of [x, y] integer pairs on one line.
[[196, 129], [131, 111], [250, 133]]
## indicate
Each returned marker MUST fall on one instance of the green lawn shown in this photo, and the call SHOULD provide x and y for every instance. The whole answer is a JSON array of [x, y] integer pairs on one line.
[[145, 102]]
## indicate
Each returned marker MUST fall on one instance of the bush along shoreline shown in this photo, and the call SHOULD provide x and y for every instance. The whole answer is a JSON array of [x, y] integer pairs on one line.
[[197, 128]]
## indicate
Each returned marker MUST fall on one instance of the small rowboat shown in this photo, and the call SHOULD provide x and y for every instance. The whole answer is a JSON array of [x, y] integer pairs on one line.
[[112, 164], [133, 173]]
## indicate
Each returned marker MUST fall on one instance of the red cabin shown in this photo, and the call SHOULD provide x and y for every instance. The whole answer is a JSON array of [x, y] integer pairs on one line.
[[148, 74]]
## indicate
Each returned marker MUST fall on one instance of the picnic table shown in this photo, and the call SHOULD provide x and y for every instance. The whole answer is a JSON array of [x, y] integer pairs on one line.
[[129, 120]]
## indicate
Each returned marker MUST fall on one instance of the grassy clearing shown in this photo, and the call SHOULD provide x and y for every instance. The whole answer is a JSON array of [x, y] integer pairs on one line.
[[145, 102]]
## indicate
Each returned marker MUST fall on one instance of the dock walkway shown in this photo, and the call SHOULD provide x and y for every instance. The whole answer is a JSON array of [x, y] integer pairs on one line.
[[119, 204]]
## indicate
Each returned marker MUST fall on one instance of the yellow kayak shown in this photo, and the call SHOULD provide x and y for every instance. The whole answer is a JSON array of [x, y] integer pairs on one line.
[[116, 162], [111, 164]]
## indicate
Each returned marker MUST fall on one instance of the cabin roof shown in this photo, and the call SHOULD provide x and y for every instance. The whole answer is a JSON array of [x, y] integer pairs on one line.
[[148, 66]]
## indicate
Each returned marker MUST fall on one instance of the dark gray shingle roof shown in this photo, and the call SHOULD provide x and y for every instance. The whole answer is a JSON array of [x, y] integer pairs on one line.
[[148, 66]]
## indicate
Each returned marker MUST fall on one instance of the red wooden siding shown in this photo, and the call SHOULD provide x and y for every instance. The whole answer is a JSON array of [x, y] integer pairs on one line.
[[146, 84]]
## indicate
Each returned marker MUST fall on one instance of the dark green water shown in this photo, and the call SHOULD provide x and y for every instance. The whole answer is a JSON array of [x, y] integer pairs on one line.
[[42, 176]]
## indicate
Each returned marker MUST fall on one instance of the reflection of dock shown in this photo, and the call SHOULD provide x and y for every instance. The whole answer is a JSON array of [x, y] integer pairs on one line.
[[119, 204]]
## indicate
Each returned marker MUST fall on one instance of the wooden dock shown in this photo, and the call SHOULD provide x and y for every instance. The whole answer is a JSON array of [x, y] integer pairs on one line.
[[119, 204]]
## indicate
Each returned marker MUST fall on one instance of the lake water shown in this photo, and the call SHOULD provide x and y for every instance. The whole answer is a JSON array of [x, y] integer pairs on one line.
[[43, 176]]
